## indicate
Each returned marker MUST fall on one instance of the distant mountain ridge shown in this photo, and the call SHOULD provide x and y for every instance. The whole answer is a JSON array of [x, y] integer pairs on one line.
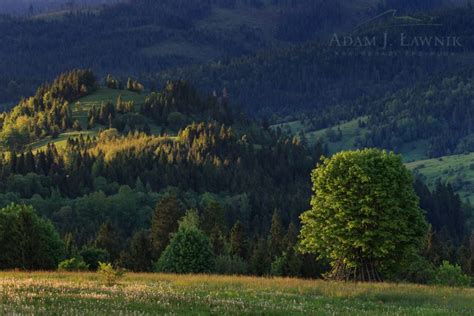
[[33, 7]]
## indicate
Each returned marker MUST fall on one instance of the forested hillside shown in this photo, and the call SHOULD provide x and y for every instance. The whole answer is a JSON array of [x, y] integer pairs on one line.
[[35, 7], [114, 176], [142, 38], [187, 152], [202, 121]]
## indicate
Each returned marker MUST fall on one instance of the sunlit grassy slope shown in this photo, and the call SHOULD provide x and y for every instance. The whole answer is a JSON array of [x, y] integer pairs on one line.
[[103, 95], [151, 294], [456, 169], [80, 110], [61, 140], [350, 131]]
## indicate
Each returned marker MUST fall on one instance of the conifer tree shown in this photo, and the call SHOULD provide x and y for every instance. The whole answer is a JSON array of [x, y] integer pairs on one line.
[[276, 235], [140, 257], [238, 241], [164, 222], [109, 239]]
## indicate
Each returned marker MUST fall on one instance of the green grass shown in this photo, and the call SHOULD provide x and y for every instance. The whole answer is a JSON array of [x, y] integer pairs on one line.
[[42, 293], [80, 113], [61, 140], [414, 151], [350, 131], [103, 95], [456, 169]]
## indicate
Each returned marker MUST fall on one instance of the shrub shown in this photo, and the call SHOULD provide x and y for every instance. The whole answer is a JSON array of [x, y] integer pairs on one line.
[[73, 264], [230, 265], [451, 275], [110, 274], [189, 251], [417, 270], [288, 264], [92, 256]]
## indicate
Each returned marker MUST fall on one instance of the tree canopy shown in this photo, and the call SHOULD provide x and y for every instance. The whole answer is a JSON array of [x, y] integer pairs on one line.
[[27, 241], [365, 216]]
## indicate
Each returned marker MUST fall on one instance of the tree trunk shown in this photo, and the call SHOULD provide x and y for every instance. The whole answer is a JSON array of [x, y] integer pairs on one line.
[[365, 272]]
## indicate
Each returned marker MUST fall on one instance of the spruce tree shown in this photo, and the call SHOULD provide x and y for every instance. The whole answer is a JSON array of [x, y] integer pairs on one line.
[[238, 241], [109, 239], [276, 235], [140, 258], [164, 222]]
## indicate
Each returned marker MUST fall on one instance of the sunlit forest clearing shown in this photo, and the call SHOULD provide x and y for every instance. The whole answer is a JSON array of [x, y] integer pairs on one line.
[[80, 110], [85, 294]]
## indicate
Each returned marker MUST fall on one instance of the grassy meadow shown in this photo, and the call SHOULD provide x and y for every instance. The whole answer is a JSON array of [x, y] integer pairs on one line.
[[56, 293], [80, 110], [456, 169], [103, 95], [350, 132]]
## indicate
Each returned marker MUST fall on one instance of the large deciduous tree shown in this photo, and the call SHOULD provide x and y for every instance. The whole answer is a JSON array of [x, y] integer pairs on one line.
[[365, 216]]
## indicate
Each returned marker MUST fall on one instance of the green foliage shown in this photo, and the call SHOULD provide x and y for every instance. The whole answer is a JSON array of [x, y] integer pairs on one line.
[[164, 222], [73, 264], [189, 251], [260, 260], [92, 256], [364, 214], [289, 263], [451, 275], [27, 241], [415, 269], [276, 235], [109, 240], [230, 265], [110, 274], [46, 113], [139, 257]]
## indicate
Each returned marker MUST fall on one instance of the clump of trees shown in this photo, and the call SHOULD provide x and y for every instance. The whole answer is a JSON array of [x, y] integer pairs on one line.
[[47, 113], [27, 241]]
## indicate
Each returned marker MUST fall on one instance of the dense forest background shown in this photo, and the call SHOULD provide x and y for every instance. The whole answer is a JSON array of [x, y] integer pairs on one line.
[[143, 38], [224, 107]]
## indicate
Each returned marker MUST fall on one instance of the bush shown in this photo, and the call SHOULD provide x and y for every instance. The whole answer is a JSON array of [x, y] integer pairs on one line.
[[189, 251], [73, 264], [451, 275], [92, 256], [416, 270], [230, 265], [288, 264], [110, 274]]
